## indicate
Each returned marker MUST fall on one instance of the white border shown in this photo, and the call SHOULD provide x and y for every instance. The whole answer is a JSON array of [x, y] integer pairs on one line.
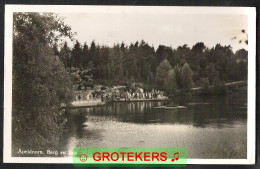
[[251, 123]]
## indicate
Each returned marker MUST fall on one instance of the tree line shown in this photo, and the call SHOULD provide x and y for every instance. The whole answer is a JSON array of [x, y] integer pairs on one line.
[[165, 68]]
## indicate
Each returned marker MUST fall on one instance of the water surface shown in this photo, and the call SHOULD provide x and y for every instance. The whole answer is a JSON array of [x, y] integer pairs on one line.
[[213, 127]]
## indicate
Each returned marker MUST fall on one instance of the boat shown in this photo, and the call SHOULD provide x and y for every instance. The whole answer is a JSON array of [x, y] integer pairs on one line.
[[170, 107], [181, 107], [160, 107]]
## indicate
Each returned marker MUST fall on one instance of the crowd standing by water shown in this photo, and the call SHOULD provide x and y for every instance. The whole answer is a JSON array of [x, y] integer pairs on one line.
[[119, 94]]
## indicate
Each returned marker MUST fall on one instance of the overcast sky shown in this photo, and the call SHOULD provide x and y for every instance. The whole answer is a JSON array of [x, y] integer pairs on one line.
[[166, 29]]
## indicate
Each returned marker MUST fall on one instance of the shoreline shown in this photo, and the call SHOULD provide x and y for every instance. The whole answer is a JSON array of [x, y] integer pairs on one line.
[[77, 104]]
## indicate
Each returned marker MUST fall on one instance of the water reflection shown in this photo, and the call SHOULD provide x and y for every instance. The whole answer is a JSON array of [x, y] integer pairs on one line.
[[202, 114], [212, 122]]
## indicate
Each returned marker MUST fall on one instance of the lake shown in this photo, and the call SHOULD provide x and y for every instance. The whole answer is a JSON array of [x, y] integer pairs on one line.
[[210, 127]]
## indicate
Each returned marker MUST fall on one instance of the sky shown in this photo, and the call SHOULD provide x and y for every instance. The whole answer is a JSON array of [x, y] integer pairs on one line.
[[159, 29]]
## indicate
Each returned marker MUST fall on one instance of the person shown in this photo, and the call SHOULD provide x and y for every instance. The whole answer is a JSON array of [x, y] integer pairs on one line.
[[102, 97]]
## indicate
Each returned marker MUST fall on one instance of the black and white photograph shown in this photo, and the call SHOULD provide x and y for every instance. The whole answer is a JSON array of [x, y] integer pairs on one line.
[[114, 76]]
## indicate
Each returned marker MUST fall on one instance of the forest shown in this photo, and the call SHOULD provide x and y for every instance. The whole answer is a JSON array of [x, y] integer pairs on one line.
[[165, 68]]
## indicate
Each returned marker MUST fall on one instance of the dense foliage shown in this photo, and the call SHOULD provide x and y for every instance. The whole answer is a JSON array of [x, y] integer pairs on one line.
[[40, 82], [165, 68]]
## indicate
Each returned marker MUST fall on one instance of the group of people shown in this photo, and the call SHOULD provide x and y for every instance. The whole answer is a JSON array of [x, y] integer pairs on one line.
[[134, 95], [86, 96], [125, 95]]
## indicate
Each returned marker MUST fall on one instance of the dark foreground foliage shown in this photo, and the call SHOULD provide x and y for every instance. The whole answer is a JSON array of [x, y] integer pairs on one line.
[[40, 82]]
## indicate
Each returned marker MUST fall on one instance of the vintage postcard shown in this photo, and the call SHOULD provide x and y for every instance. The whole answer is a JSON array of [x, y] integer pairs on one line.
[[129, 76]]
